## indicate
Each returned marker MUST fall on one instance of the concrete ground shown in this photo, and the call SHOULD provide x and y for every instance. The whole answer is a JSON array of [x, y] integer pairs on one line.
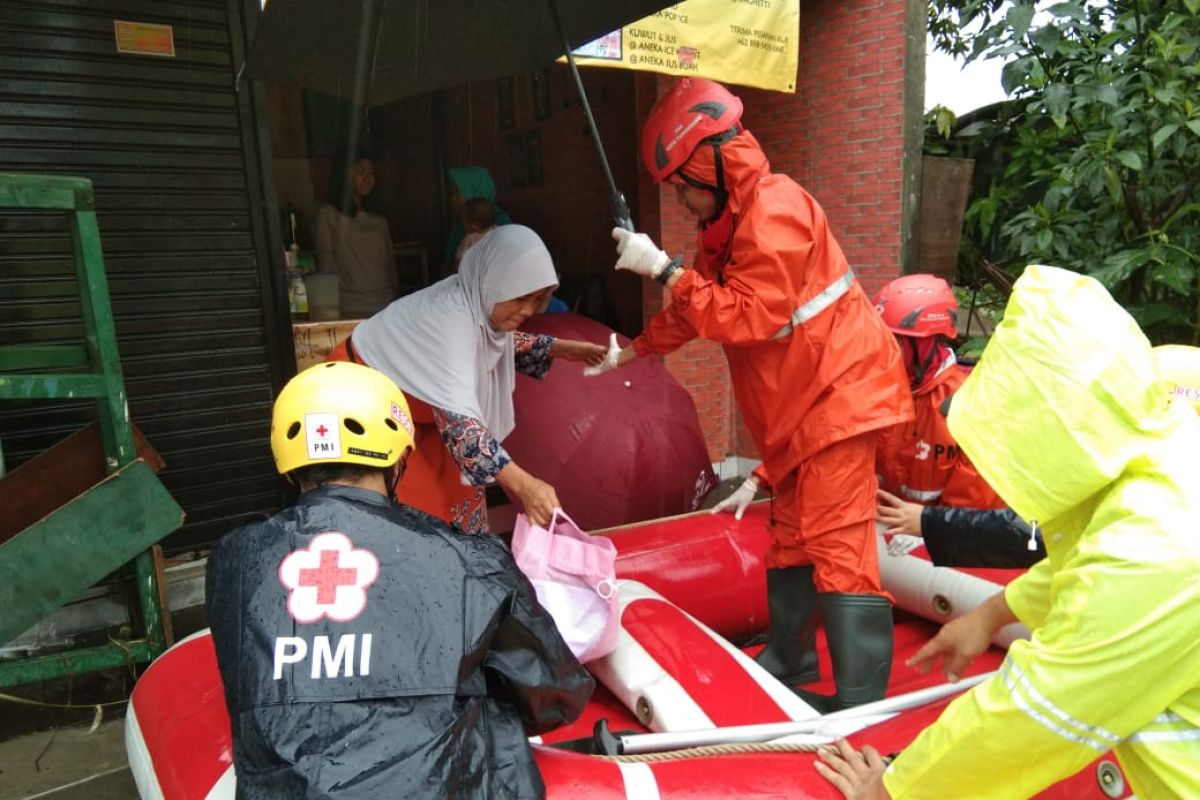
[[70, 761]]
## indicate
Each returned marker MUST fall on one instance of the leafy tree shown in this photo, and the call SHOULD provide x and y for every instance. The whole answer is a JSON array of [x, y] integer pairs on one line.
[[1094, 163]]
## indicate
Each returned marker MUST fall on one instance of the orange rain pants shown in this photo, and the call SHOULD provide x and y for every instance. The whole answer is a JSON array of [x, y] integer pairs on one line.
[[823, 514]]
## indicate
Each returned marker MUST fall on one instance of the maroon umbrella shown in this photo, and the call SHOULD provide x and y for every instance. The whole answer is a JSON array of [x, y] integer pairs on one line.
[[621, 447]]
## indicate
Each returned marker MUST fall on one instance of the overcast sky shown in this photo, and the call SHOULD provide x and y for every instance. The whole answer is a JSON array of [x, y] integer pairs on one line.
[[960, 90]]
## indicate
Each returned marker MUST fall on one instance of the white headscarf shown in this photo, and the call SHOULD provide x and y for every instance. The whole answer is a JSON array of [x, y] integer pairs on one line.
[[438, 344]]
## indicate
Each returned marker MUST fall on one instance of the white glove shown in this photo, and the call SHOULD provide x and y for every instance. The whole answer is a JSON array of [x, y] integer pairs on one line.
[[610, 359], [638, 253], [901, 544], [739, 499]]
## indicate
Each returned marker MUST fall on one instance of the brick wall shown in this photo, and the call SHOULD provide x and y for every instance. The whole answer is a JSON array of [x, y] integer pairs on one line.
[[842, 136], [570, 208]]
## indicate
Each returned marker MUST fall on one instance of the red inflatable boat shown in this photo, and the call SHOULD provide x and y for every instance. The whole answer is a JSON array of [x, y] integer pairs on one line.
[[688, 714]]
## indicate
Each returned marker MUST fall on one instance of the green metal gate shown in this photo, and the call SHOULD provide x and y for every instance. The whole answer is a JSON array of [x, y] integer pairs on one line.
[[173, 152]]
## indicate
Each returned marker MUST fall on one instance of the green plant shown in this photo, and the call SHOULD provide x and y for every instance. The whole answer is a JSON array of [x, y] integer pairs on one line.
[[939, 128], [1094, 163]]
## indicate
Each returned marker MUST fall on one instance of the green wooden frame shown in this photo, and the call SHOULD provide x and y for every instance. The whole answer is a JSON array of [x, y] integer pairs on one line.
[[53, 560]]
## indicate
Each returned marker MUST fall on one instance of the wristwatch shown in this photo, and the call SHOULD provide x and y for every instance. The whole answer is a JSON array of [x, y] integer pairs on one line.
[[666, 272]]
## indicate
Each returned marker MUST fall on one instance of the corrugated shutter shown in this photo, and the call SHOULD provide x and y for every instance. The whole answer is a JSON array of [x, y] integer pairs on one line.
[[170, 147]]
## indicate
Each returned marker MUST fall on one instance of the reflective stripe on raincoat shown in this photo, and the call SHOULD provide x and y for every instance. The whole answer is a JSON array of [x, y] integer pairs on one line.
[[1066, 418], [810, 360]]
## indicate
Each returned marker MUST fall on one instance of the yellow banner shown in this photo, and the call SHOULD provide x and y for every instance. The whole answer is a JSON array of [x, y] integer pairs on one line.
[[748, 42]]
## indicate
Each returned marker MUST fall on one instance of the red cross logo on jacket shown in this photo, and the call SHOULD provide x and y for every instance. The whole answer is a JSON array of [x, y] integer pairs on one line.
[[329, 578]]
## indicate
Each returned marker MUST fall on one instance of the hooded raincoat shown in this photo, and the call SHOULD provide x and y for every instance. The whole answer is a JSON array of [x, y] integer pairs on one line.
[[367, 650], [812, 364], [1067, 419]]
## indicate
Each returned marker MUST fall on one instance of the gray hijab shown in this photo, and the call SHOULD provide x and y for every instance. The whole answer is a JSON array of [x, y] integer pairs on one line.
[[438, 344]]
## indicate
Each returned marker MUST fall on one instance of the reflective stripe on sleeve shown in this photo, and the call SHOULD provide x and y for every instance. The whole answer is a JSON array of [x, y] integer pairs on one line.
[[823, 300], [1167, 727], [1048, 715]]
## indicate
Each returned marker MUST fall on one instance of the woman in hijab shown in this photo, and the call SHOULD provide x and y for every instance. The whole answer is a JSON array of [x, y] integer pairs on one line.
[[454, 350], [470, 183]]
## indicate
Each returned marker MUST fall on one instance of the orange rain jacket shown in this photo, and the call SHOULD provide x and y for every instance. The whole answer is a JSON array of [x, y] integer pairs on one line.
[[810, 359], [920, 462]]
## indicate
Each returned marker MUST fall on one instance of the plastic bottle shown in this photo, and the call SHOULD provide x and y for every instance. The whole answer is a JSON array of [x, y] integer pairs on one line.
[[300, 292]]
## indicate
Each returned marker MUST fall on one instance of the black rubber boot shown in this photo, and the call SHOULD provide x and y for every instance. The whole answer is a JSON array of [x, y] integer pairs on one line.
[[859, 630], [791, 653]]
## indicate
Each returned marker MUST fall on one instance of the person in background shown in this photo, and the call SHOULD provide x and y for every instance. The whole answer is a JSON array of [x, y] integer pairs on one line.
[[367, 650], [468, 183], [1068, 418], [454, 349], [353, 240], [815, 373], [478, 218], [927, 485]]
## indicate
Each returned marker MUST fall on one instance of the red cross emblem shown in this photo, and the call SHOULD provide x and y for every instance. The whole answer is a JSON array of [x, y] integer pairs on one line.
[[328, 577], [322, 430]]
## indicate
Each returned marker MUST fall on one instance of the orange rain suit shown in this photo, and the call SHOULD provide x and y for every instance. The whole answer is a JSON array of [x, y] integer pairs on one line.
[[815, 372], [920, 462]]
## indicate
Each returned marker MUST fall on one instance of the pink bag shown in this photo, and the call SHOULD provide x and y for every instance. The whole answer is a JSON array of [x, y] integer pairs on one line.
[[574, 575]]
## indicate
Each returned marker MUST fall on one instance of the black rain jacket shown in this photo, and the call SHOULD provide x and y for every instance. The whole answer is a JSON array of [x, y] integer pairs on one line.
[[979, 537], [429, 691]]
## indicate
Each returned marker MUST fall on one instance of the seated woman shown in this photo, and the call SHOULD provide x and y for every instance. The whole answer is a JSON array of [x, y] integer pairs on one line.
[[454, 350], [353, 240]]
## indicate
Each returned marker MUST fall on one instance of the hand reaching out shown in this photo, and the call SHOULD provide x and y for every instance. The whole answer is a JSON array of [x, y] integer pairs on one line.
[[539, 500], [736, 503], [900, 516], [858, 776], [536, 496], [609, 361], [961, 640], [573, 350]]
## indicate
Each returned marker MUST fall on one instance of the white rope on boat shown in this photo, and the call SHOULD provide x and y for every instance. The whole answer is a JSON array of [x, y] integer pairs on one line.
[[723, 750]]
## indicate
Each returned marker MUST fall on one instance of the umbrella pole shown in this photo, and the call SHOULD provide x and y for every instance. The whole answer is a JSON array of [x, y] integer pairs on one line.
[[364, 71], [616, 200]]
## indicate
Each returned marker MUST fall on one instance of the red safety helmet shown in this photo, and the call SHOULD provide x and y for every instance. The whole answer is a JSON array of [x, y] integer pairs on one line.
[[694, 110], [920, 306]]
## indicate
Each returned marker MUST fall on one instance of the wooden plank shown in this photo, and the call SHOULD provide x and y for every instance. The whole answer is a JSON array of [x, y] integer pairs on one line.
[[75, 662], [42, 356], [28, 387], [53, 478], [53, 560], [42, 191]]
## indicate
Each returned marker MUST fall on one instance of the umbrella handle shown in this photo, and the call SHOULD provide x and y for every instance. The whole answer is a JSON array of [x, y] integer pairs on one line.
[[616, 200]]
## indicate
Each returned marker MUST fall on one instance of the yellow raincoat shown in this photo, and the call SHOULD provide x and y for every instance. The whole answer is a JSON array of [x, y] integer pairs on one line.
[[1067, 419]]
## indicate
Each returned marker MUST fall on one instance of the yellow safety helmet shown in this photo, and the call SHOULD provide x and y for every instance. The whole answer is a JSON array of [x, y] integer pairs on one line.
[[1179, 366], [340, 413]]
